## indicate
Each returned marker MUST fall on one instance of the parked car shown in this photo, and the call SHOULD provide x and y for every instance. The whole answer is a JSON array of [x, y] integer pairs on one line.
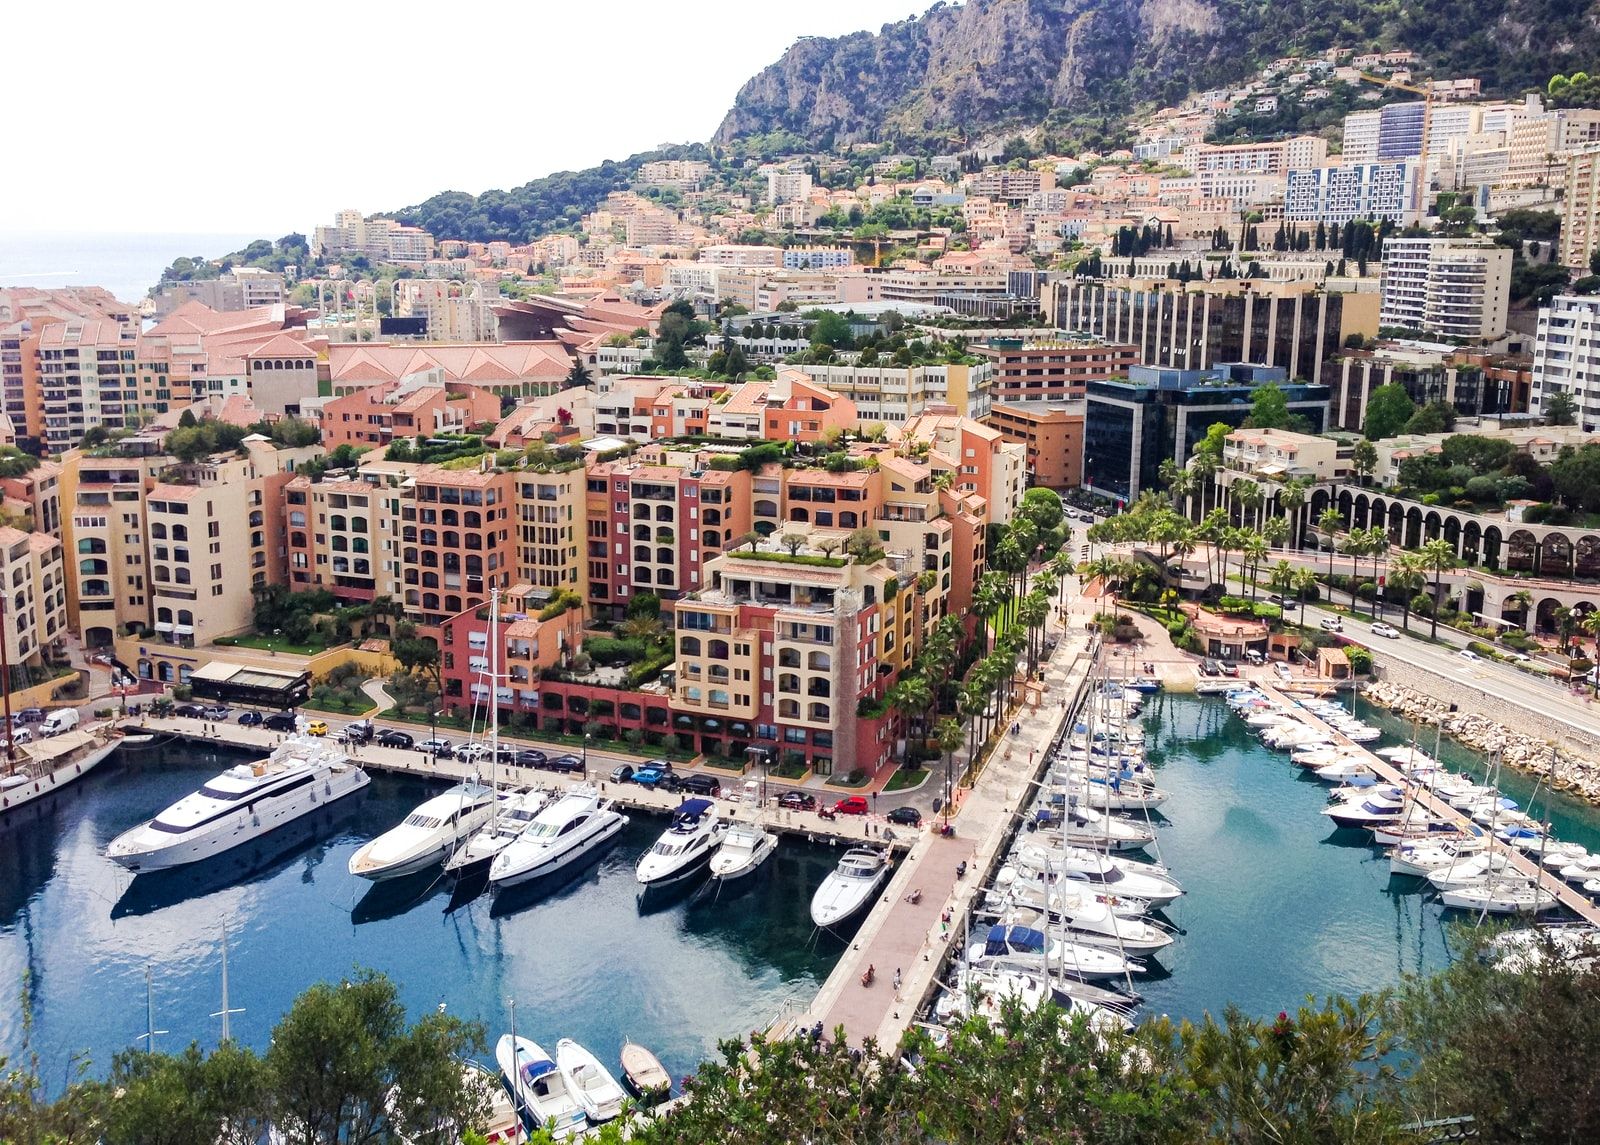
[[1386, 630], [1283, 670], [906, 816], [388, 737], [701, 785], [1229, 668], [1280, 601], [654, 773], [358, 732], [798, 801], [218, 712], [1331, 624], [190, 712], [58, 721], [530, 758], [28, 716], [1518, 657], [317, 728], [249, 719], [623, 773], [852, 805], [472, 751], [438, 747], [21, 735], [505, 753], [1210, 667], [1469, 654], [278, 722], [565, 763]]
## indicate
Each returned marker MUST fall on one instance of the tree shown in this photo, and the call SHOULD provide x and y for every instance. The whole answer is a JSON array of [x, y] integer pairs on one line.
[[1389, 407], [1364, 460], [1560, 408], [794, 542], [1043, 508], [343, 1062], [1406, 575], [831, 330], [861, 543], [579, 374], [1438, 558], [1269, 409], [1304, 584], [1435, 417], [1330, 523]]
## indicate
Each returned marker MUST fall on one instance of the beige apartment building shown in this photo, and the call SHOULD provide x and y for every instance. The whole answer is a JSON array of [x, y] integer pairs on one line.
[[35, 606]]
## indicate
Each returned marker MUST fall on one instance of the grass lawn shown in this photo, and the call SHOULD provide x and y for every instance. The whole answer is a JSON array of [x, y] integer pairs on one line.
[[363, 707], [271, 644], [844, 781], [907, 779]]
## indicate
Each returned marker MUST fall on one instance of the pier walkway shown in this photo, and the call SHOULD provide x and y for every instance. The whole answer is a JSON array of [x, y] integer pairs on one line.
[[914, 937], [1566, 894]]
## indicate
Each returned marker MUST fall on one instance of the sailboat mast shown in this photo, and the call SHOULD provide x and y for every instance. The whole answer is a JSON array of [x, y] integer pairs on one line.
[[227, 1011], [150, 1031], [494, 682]]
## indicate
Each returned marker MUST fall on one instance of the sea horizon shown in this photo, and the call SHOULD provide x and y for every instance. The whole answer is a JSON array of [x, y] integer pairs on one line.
[[126, 264]]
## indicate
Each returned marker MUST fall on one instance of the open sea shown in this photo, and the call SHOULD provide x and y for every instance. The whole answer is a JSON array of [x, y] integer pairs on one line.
[[126, 265], [1280, 905]]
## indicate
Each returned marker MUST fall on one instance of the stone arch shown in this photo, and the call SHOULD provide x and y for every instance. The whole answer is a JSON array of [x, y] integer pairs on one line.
[[1412, 537], [1471, 541], [1586, 557], [1432, 523], [1451, 531], [1493, 546], [1544, 617], [1522, 551], [1555, 555]]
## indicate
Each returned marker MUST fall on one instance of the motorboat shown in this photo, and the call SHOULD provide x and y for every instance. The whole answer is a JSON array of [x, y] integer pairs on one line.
[[1024, 948], [644, 1073], [1086, 827], [1583, 870], [1286, 738], [1420, 825], [431, 833], [1419, 859], [1348, 770], [42, 768], [1501, 898], [540, 1089], [1146, 684], [1109, 873], [1114, 793], [1092, 922], [567, 831], [1318, 755], [1012, 889], [501, 1124], [685, 846], [1557, 856], [1476, 870], [302, 775], [986, 991], [850, 886], [589, 1081], [1407, 757], [512, 812], [1374, 806], [744, 848]]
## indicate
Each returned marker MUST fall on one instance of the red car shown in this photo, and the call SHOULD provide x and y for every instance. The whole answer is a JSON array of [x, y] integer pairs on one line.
[[851, 805]]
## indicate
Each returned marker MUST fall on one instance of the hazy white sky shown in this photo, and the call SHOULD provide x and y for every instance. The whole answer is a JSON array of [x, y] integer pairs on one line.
[[186, 116]]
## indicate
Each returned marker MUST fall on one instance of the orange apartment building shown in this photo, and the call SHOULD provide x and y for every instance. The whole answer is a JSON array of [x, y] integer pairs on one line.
[[456, 540], [1044, 371], [1052, 433], [419, 406]]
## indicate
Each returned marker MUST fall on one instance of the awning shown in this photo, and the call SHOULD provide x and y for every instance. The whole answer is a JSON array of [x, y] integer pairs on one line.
[[163, 626], [183, 629]]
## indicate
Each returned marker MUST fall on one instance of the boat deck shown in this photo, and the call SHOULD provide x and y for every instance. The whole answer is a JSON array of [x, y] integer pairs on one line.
[[1569, 896]]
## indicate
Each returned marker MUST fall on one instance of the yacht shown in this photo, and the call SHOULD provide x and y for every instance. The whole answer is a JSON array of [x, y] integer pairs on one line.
[[744, 848], [1583, 870], [1369, 808], [540, 1088], [242, 804], [501, 1124], [511, 813], [431, 832], [1086, 827], [1501, 898], [1090, 921], [1417, 859], [1023, 948], [40, 768], [1116, 793], [850, 887], [589, 1081], [684, 846], [569, 830], [1120, 876], [1475, 871]]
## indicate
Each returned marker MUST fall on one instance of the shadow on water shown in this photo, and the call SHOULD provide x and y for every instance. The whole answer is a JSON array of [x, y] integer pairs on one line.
[[390, 898], [658, 897], [249, 862], [562, 884]]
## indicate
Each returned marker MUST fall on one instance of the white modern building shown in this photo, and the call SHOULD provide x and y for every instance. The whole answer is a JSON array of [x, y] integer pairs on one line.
[[1448, 288], [1354, 191], [1566, 356]]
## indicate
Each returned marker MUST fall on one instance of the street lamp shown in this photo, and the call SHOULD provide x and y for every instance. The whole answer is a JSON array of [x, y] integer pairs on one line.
[[433, 735], [586, 738]]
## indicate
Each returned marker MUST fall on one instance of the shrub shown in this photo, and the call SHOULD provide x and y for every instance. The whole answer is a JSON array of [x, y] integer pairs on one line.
[[857, 775], [1268, 612], [613, 653], [1479, 647], [182, 692], [1360, 660]]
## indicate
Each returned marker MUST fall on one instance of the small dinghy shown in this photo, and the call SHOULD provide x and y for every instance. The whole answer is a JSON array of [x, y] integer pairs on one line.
[[644, 1073]]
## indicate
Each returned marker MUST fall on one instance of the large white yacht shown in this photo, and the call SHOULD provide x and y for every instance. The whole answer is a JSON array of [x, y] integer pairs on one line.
[[745, 847], [431, 833], [240, 805], [513, 812], [570, 829], [684, 846], [850, 886]]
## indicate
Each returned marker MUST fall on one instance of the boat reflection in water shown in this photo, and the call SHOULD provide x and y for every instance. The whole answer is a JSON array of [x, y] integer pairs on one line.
[[391, 898], [256, 859]]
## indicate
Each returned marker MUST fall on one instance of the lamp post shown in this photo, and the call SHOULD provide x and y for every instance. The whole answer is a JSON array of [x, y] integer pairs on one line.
[[586, 738], [433, 734]]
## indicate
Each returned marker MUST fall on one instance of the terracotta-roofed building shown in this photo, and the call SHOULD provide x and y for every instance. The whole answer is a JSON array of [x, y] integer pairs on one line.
[[422, 405], [503, 368], [36, 614]]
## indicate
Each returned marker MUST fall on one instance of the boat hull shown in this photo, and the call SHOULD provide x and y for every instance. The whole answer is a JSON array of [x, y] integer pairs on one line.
[[551, 862], [14, 799]]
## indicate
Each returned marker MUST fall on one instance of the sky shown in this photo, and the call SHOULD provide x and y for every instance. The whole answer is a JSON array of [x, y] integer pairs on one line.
[[205, 117]]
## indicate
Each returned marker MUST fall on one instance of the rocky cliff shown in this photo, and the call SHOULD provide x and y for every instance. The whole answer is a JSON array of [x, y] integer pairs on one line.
[[991, 65]]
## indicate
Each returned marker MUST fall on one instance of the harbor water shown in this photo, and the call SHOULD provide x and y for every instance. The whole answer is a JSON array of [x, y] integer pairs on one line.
[[1279, 906], [591, 957]]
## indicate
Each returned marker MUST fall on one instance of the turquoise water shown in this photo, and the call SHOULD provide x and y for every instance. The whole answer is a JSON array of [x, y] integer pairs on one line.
[[590, 959]]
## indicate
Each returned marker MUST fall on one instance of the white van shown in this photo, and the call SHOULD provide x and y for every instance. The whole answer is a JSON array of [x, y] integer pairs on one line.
[[60, 720]]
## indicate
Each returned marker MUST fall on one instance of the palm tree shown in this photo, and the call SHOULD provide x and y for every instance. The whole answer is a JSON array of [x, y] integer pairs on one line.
[[1377, 546], [1275, 530], [1523, 599], [1355, 547], [1282, 577], [1033, 612], [1567, 624], [1438, 558], [1292, 497], [948, 736], [1249, 497], [986, 602], [910, 697], [1405, 577], [1331, 523], [1304, 584], [1254, 552]]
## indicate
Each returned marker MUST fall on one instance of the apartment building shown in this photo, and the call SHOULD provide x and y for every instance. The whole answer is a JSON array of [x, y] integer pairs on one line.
[[1566, 357], [551, 524], [420, 405], [87, 377], [1342, 194], [343, 535], [1051, 433], [1279, 455], [817, 257], [680, 174], [24, 314], [1274, 158], [1450, 288], [457, 539], [1580, 212], [36, 495], [787, 186], [1049, 370], [895, 394], [378, 238], [777, 654], [243, 288], [32, 579], [1009, 184], [740, 255], [528, 645]]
